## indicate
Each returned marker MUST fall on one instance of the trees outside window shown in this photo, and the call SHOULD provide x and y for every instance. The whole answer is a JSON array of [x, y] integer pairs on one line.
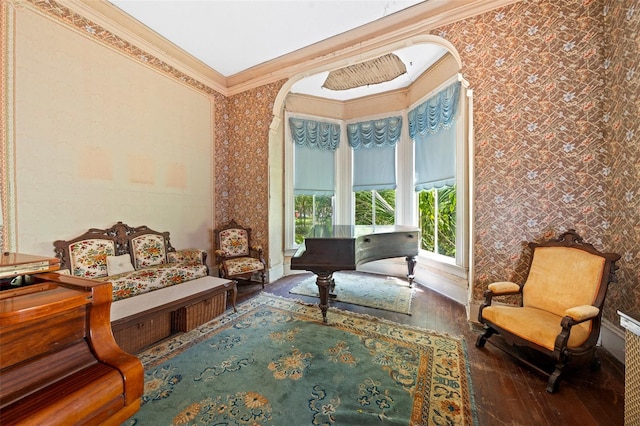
[[375, 207], [311, 210], [437, 219]]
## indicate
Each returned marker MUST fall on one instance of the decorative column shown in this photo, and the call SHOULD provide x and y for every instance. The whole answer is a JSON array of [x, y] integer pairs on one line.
[[631, 322]]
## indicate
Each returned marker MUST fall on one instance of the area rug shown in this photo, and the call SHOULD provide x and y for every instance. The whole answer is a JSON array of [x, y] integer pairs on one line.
[[275, 363], [374, 291]]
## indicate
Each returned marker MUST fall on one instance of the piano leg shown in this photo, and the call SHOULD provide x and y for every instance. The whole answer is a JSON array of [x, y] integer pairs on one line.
[[324, 282], [411, 263]]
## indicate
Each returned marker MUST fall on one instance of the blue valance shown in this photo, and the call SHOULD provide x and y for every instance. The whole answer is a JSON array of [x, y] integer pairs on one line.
[[315, 134], [374, 133], [437, 112]]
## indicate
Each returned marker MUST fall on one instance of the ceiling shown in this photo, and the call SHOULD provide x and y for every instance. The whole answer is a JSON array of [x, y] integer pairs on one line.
[[232, 36]]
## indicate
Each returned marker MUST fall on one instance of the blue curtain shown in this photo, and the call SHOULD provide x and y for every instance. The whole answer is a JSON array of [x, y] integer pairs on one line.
[[374, 153], [315, 144], [431, 128]]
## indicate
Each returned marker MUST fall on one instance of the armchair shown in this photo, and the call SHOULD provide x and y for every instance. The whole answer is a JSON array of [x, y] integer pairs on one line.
[[560, 308], [236, 257]]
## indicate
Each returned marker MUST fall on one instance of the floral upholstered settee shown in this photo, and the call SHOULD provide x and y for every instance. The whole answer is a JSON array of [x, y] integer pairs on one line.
[[135, 260]]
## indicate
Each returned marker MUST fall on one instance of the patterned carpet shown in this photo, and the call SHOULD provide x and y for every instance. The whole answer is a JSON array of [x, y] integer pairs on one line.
[[275, 363], [375, 291]]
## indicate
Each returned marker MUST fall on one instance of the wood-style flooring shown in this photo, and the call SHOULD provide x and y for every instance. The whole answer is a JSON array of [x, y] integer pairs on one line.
[[506, 392]]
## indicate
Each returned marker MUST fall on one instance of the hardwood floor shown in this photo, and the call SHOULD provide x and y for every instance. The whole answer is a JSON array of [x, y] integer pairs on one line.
[[506, 392]]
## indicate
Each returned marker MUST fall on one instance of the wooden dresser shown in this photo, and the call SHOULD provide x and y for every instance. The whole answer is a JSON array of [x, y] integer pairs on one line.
[[59, 362]]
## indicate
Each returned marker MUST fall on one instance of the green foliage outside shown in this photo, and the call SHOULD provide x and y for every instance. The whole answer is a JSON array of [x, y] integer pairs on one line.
[[428, 201], [385, 202], [445, 203], [304, 207]]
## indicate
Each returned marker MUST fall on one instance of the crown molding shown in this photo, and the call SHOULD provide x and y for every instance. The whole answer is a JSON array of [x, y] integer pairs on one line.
[[359, 44], [114, 20], [373, 38]]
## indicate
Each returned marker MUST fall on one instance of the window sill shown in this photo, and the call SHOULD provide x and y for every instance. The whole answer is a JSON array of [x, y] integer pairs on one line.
[[442, 264]]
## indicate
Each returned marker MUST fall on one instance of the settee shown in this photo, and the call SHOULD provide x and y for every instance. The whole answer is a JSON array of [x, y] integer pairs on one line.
[[156, 289]]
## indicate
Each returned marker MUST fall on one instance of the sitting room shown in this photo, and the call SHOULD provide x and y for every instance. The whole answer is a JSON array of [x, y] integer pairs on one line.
[[136, 133]]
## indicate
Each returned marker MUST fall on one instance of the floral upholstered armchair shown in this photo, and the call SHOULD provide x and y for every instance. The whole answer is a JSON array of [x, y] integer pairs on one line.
[[560, 308], [236, 257]]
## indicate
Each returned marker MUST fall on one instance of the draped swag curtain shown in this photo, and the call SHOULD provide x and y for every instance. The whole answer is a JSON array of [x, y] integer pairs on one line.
[[374, 153], [315, 145], [431, 128]]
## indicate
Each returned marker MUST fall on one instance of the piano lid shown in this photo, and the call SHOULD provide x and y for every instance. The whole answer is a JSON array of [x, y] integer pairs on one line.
[[353, 231]]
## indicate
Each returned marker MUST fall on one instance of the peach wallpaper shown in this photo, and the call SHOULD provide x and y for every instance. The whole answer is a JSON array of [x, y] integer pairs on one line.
[[96, 142]]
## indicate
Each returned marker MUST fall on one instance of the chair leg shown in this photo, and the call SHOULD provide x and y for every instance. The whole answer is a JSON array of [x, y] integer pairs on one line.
[[595, 363], [262, 278], [482, 339], [554, 378]]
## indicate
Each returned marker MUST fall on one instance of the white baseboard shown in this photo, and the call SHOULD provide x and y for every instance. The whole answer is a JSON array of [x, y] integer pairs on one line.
[[613, 340]]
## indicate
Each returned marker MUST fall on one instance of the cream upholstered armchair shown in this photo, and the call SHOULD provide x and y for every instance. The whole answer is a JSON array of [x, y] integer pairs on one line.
[[561, 304], [236, 257]]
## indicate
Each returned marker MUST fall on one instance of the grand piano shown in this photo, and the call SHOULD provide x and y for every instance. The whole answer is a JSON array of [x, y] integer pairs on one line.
[[327, 249]]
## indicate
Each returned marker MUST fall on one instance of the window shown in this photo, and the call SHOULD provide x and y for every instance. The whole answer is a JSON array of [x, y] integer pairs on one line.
[[375, 207], [437, 220], [315, 143], [374, 169], [425, 179], [434, 133]]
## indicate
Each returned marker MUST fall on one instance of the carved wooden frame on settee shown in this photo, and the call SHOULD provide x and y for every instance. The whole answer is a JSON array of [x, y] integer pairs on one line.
[[121, 234]]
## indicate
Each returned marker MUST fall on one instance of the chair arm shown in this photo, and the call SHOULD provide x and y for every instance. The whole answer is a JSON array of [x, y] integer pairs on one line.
[[257, 248], [500, 288], [504, 287], [582, 313]]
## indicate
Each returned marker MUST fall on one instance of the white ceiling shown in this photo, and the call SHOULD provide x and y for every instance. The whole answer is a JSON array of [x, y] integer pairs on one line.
[[231, 36]]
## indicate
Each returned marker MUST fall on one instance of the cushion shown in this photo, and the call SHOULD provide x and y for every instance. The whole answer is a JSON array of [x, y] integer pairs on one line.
[[119, 264], [186, 255], [502, 287], [234, 242], [561, 278], [148, 250], [242, 265], [88, 258], [535, 325]]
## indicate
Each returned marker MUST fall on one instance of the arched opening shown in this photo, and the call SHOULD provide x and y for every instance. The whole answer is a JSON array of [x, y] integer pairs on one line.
[[315, 102]]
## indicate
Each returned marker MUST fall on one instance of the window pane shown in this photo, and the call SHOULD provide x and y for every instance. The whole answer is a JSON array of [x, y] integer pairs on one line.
[[427, 219], [447, 221], [437, 219], [311, 210], [375, 207]]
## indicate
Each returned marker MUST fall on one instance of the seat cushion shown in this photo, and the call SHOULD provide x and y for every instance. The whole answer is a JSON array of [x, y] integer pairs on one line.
[[154, 277], [561, 278], [242, 265], [535, 325]]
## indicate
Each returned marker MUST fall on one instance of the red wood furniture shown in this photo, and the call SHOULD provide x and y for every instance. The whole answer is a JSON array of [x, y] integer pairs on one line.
[[59, 362]]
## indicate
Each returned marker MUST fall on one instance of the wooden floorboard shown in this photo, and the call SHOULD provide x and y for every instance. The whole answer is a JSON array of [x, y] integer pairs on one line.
[[506, 392]]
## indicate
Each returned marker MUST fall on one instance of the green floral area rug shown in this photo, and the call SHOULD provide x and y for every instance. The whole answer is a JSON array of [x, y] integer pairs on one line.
[[275, 363], [374, 291]]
